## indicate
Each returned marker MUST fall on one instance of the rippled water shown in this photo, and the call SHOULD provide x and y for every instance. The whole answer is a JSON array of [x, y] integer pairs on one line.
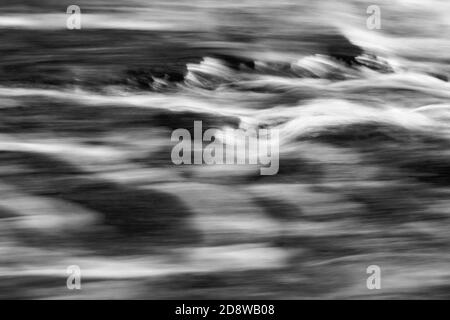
[[86, 176]]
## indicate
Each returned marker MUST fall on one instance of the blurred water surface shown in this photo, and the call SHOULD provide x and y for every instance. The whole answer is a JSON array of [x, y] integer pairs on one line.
[[86, 176]]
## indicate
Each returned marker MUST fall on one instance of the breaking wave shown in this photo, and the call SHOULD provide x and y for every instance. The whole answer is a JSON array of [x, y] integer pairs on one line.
[[86, 175]]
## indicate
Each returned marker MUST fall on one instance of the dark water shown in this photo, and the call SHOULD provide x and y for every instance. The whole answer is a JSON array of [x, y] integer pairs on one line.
[[86, 176]]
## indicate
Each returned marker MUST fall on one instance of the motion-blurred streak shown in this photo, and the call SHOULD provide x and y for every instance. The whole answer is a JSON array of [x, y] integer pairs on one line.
[[86, 175]]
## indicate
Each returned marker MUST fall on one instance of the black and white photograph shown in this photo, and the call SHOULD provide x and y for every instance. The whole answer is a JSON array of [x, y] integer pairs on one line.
[[224, 150]]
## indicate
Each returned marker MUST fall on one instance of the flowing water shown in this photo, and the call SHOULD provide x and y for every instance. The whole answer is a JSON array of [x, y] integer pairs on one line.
[[86, 175]]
